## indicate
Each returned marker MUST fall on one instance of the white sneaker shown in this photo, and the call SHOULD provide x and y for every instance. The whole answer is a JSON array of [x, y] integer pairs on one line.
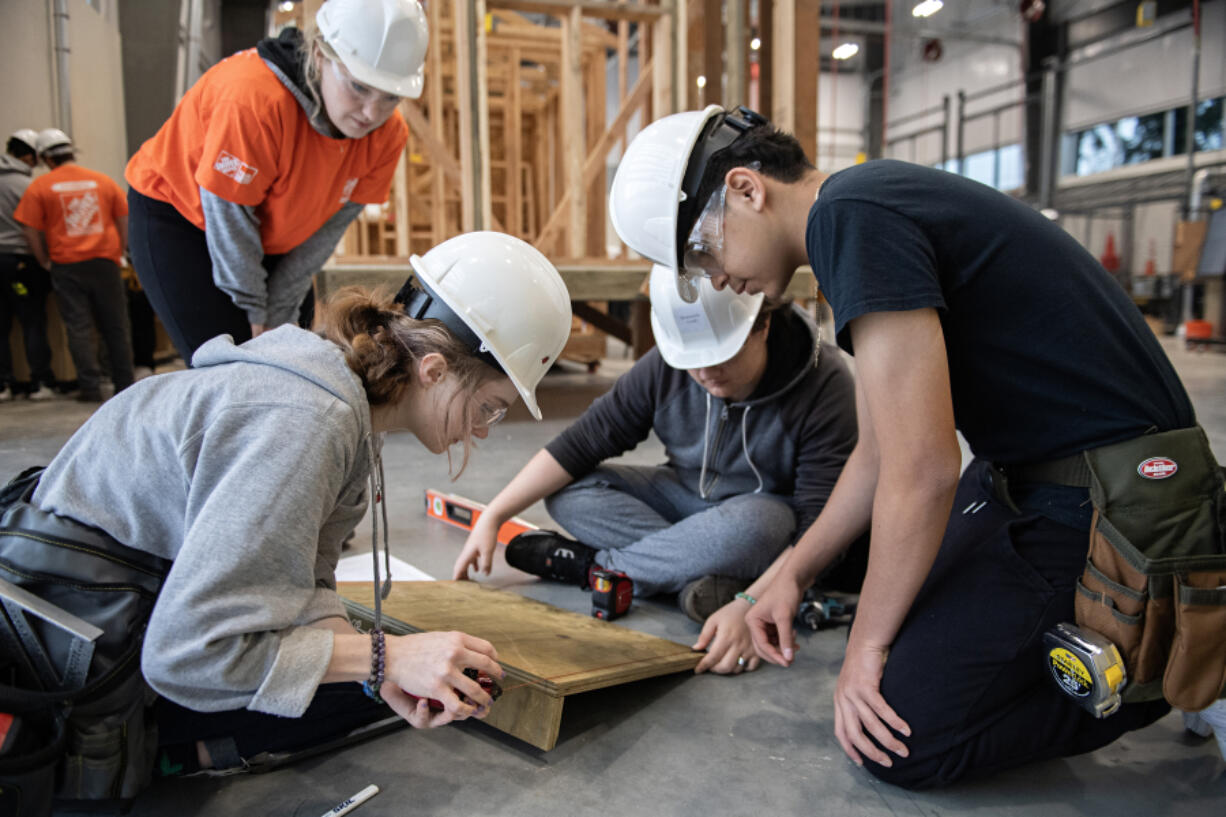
[[6, 394], [41, 393], [1211, 719], [141, 372]]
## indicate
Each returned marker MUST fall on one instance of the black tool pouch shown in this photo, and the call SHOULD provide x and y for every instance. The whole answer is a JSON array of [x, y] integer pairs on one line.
[[94, 685], [1155, 578]]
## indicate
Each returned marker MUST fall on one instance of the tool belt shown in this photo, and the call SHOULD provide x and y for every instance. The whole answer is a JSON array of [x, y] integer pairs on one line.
[[1155, 577], [83, 697]]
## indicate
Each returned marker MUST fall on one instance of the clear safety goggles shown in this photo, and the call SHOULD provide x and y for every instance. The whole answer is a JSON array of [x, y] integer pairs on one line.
[[358, 92], [704, 248], [488, 415]]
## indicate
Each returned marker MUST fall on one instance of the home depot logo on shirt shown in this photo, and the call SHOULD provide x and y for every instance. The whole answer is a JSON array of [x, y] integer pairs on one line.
[[82, 209], [230, 165], [347, 191]]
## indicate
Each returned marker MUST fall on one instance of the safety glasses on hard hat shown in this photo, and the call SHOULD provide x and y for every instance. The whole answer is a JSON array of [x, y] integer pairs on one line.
[[704, 248]]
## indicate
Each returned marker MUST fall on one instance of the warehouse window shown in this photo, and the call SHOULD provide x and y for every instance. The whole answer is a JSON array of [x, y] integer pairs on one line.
[[1001, 167], [1208, 126], [1135, 139]]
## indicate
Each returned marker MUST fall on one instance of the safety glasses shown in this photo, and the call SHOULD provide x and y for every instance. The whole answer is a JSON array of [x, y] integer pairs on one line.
[[704, 248], [359, 93], [488, 415]]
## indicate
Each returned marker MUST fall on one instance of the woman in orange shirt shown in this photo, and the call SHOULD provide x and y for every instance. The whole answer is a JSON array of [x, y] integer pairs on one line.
[[243, 193]]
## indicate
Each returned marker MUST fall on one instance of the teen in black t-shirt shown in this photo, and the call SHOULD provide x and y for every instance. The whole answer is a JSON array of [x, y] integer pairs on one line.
[[965, 310], [1047, 354]]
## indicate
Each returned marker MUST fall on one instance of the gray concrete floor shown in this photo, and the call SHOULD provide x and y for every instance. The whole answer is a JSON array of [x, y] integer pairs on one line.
[[760, 743]]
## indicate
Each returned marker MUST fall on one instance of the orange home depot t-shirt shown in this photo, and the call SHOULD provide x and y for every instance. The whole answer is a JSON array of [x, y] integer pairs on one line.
[[75, 208], [240, 134]]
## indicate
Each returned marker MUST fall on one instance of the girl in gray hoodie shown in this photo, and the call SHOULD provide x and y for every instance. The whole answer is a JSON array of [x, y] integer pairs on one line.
[[249, 470]]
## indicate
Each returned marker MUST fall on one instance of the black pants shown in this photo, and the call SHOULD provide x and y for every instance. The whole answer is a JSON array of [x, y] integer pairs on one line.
[[966, 670], [91, 295], [336, 710], [24, 287], [144, 328], [172, 260]]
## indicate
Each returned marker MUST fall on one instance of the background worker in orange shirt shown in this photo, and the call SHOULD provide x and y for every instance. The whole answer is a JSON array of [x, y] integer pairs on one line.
[[76, 223], [242, 194]]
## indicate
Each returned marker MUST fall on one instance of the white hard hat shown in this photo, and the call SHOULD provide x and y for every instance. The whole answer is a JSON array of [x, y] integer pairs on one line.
[[707, 332], [647, 187], [382, 43], [50, 139], [653, 194], [27, 137], [507, 295]]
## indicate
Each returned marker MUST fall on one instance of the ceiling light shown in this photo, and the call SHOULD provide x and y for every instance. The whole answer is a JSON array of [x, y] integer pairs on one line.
[[846, 51], [927, 8], [702, 81], [755, 44], [286, 6]]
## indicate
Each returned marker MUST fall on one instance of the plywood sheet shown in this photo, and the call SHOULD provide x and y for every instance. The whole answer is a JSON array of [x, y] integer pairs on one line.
[[555, 650]]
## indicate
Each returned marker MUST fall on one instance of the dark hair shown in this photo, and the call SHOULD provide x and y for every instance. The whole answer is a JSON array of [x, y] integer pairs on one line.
[[382, 345], [778, 154], [19, 149], [58, 156], [769, 308]]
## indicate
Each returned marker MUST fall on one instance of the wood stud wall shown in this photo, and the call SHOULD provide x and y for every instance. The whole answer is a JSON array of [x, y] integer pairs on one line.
[[511, 133]]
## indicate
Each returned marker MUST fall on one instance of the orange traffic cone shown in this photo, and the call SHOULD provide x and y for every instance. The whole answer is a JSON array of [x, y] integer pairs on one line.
[[1110, 261]]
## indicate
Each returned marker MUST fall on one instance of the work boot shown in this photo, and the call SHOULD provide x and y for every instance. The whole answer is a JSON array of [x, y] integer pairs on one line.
[[551, 555], [702, 597]]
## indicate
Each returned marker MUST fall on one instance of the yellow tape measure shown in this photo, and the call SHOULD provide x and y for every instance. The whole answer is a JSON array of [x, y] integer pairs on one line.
[[1086, 667]]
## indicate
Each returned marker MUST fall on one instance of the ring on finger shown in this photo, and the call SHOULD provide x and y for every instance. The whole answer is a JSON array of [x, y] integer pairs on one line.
[[740, 662]]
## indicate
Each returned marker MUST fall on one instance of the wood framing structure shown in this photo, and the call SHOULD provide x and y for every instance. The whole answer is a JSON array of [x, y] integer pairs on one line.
[[513, 132], [549, 654]]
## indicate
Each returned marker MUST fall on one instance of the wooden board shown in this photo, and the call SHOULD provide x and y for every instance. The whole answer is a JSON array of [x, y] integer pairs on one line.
[[548, 653]]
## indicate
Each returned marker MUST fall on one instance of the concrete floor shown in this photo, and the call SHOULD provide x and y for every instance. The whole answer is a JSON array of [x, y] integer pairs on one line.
[[759, 743]]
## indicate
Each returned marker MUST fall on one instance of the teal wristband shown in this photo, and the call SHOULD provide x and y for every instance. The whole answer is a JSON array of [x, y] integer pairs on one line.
[[746, 597]]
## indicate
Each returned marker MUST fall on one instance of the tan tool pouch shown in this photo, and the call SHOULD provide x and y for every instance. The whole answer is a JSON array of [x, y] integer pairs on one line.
[[1155, 578]]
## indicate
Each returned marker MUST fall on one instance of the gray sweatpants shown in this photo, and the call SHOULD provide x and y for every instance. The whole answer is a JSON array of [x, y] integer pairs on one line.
[[91, 293], [647, 524]]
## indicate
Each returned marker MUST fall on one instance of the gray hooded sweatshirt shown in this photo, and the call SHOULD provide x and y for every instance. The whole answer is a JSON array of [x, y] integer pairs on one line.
[[248, 471], [14, 179]]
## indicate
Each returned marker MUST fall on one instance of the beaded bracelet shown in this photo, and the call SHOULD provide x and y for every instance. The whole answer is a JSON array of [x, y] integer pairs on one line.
[[743, 596], [378, 665]]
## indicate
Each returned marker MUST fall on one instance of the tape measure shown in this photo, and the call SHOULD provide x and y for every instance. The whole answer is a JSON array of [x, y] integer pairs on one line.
[[1086, 666], [612, 592]]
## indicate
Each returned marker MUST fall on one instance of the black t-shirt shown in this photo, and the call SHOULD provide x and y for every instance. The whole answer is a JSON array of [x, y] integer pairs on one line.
[[1047, 354]]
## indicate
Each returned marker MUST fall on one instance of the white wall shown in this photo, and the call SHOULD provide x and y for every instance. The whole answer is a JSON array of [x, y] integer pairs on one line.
[[95, 78], [1153, 76], [96, 69], [840, 120], [1154, 237], [26, 60], [971, 66]]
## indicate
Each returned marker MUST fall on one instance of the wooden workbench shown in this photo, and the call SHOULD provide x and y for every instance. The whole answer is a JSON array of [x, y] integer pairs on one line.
[[548, 653]]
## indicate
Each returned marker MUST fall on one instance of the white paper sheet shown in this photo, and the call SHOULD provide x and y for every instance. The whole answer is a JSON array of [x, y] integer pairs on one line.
[[357, 568]]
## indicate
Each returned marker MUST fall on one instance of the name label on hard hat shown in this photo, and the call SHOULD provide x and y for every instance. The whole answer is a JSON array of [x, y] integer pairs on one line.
[[1157, 468]]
